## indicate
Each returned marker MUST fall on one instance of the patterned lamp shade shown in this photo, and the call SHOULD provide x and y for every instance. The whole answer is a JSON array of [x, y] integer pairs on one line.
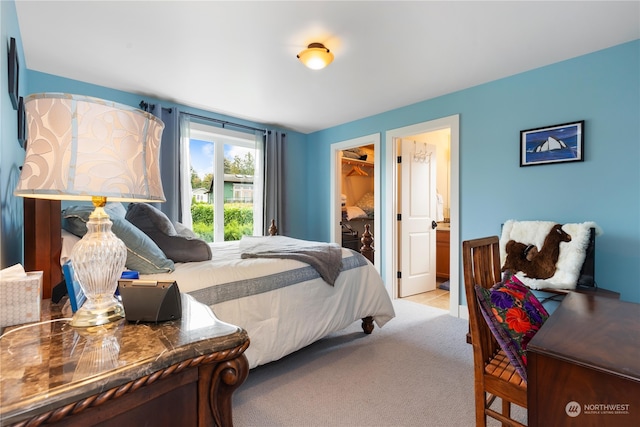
[[79, 147]]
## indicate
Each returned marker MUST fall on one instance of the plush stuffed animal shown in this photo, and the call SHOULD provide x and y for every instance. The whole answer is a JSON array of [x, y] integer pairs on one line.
[[534, 263]]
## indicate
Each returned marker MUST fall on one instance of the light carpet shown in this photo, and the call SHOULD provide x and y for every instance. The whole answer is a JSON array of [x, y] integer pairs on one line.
[[415, 371]]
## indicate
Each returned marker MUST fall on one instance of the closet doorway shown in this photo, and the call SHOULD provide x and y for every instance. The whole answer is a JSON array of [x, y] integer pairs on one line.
[[356, 176], [424, 132]]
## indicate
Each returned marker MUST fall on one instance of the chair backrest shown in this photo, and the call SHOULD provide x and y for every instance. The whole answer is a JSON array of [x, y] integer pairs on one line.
[[481, 266]]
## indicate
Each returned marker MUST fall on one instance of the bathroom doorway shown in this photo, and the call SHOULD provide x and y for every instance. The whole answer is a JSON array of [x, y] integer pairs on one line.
[[450, 127]]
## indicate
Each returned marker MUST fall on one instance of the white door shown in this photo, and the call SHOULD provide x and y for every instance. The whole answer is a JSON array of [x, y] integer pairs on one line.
[[417, 218]]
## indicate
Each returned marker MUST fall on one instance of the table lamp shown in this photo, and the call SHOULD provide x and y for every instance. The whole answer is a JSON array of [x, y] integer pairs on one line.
[[84, 148]]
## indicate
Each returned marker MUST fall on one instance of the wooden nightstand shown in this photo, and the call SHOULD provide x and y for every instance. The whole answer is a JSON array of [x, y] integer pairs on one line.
[[181, 372]]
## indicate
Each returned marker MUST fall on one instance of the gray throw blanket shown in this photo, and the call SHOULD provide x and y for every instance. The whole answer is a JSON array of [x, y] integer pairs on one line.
[[326, 258]]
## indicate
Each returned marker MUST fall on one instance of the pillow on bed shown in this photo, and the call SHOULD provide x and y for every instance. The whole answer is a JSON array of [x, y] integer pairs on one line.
[[180, 247], [514, 315], [69, 240], [143, 255], [366, 203], [185, 231], [355, 212]]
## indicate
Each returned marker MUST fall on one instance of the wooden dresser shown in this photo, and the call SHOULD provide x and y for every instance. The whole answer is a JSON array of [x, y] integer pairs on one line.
[[180, 372], [583, 365]]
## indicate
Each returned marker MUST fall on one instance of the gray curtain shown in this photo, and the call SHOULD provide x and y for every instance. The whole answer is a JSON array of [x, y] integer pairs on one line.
[[274, 188], [169, 159]]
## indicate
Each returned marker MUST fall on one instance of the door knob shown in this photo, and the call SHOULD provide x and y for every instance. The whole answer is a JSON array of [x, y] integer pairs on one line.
[[434, 225]]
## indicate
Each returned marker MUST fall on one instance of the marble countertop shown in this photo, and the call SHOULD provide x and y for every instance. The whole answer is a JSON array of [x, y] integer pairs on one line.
[[45, 366]]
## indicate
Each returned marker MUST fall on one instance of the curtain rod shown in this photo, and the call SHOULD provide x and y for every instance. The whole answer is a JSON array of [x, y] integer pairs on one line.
[[225, 123], [146, 107]]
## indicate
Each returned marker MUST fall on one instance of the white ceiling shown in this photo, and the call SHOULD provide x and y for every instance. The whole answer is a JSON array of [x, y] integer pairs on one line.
[[239, 58]]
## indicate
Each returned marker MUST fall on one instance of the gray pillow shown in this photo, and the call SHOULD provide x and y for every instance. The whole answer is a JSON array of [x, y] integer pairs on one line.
[[143, 254], [183, 230], [177, 246]]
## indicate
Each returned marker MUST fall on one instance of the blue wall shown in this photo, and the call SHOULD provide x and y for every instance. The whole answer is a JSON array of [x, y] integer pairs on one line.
[[11, 153], [602, 88]]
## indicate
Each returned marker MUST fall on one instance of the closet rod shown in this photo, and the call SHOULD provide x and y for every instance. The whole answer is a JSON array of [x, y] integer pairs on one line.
[[225, 123]]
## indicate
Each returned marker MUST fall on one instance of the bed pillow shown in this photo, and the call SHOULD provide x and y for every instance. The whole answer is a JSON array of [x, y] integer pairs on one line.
[[69, 240], [143, 255], [177, 246], [514, 315], [366, 203], [355, 212], [183, 230]]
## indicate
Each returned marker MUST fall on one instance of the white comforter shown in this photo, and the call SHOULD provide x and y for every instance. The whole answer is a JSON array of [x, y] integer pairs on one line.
[[286, 319]]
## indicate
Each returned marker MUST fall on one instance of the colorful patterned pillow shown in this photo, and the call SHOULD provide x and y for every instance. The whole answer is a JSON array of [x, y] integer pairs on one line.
[[514, 315]]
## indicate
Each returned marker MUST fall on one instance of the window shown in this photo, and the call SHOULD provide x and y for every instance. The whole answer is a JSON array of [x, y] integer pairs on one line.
[[243, 193], [226, 176]]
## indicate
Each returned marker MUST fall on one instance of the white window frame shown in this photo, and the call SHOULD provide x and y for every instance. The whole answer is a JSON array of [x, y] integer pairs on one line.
[[221, 137]]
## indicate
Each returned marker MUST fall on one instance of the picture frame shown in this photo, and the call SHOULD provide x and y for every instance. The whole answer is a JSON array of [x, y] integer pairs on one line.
[[22, 125], [14, 72], [560, 143]]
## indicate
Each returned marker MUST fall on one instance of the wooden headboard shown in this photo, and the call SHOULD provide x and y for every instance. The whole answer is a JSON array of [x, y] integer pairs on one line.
[[42, 241]]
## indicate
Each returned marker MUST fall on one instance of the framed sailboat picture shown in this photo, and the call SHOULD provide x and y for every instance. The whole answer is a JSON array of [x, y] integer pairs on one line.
[[552, 144]]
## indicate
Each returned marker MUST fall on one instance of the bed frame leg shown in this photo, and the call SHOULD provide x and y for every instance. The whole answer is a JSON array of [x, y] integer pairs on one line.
[[367, 324]]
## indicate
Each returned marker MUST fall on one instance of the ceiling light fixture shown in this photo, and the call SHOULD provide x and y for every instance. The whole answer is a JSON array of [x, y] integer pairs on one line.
[[316, 56]]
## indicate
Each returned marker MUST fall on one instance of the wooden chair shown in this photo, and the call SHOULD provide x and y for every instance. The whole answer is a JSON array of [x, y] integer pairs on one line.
[[494, 376]]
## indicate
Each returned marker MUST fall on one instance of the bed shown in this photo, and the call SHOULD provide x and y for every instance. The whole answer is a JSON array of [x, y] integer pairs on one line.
[[283, 304]]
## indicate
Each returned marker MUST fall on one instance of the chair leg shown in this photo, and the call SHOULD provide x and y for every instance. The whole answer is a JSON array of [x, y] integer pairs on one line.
[[506, 410], [481, 403]]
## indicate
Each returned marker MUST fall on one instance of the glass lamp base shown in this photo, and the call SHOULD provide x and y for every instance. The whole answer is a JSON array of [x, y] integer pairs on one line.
[[86, 317], [98, 260]]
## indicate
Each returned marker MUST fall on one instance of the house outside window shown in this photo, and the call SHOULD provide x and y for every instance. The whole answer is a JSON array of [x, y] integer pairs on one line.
[[200, 195]]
